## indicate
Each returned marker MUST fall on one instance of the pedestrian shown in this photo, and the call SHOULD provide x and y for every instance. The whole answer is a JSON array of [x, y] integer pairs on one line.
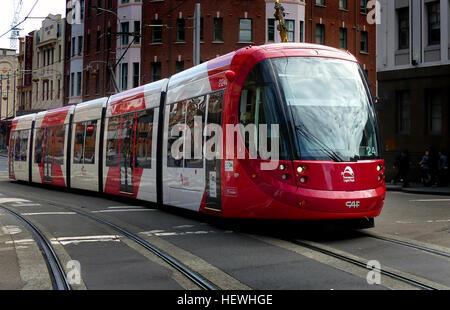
[[443, 169], [425, 168], [402, 164]]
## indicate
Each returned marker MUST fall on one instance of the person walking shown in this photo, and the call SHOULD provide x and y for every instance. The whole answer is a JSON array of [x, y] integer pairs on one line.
[[443, 169], [425, 167]]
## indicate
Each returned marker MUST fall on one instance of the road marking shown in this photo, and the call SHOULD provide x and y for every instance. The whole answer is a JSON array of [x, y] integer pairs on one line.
[[163, 233], [428, 221], [20, 241], [49, 213], [25, 205], [81, 239], [124, 210], [126, 207], [6, 200], [430, 200]]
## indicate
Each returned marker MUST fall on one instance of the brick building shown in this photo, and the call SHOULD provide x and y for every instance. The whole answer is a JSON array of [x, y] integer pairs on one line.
[[225, 26], [100, 34], [344, 24]]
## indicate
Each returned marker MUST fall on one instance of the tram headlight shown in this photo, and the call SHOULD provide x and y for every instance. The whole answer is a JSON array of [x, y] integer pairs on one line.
[[379, 167], [282, 167], [301, 169], [303, 180]]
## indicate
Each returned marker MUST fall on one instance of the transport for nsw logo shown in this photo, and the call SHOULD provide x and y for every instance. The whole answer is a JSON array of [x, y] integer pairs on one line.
[[348, 175]]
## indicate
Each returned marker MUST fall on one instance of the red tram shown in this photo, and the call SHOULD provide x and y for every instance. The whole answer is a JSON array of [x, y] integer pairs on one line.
[[329, 164]]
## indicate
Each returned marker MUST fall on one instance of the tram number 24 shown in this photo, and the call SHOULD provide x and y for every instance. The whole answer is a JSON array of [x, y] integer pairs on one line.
[[352, 204]]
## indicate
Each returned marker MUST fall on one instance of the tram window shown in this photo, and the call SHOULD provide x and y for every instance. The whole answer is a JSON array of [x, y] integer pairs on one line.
[[16, 145], [58, 151], [144, 137], [23, 144], [215, 107], [258, 107], [195, 109], [84, 146], [78, 148], [89, 142], [48, 157], [38, 148], [112, 146], [177, 113]]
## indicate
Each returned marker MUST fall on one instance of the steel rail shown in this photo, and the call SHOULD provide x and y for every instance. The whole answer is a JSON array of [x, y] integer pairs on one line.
[[56, 271], [363, 265]]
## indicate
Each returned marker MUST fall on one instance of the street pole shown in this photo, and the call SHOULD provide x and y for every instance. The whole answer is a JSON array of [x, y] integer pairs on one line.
[[197, 35], [14, 98]]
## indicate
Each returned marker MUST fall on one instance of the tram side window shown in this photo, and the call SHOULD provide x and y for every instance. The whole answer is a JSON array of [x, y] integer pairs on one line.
[[257, 108], [38, 146], [58, 148], [23, 145], [177, 114], [215, 111], [84, 146], [195, 109], [144, 137], [112, 144], [16, 137]]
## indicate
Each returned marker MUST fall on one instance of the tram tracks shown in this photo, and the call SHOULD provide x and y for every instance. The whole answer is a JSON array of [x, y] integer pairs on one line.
[[55, 267]]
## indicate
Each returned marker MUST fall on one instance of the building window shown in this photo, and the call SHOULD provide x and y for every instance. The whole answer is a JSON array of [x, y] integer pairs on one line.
[[343, 38], [271, 30], [403, 28], [124, 76], [98, 41], [156, 71], [434, 23], [290, 27], [86, 84], [72, 84], [157, 31], [343, 4], [137, 32], [181, 30], [320, 2], [320, 34], [302, 31], [364, 6], [80, 46], [73, 47], [434, 103], [179, 66], [404, 112], [88, 44], [245, 30], [135, 74], [364, 42], [79, 84], [218, 29], [124, 28]]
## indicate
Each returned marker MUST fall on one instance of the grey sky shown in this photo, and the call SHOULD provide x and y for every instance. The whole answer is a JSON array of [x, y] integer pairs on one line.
[[42, 9]]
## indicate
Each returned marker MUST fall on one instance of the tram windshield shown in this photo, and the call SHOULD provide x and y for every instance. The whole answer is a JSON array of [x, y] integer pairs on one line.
[[330, 108]]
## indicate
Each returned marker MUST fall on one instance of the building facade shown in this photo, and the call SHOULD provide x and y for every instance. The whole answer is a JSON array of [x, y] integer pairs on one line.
[[9, 75], [167, 42], [128, 51], [74, 66], [48, 64], [414, 77], [25, 84], [99, 57]]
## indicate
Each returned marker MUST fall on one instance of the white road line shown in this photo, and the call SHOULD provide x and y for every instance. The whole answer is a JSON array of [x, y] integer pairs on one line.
[[81, 239], [430, 200], [124, 210], [25, 205], [6, 200], [126, 207], [49, 213]]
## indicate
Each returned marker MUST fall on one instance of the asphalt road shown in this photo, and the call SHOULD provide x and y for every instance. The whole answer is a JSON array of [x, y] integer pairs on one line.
[[241, 255]]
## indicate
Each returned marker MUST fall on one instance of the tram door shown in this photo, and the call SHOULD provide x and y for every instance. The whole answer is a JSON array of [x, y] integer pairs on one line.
[[213, 165], [49, 142], [12, 149], [126, 153]]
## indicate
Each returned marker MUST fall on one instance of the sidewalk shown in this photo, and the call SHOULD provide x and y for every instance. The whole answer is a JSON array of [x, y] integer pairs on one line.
[[417, 188], [3, 153]]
